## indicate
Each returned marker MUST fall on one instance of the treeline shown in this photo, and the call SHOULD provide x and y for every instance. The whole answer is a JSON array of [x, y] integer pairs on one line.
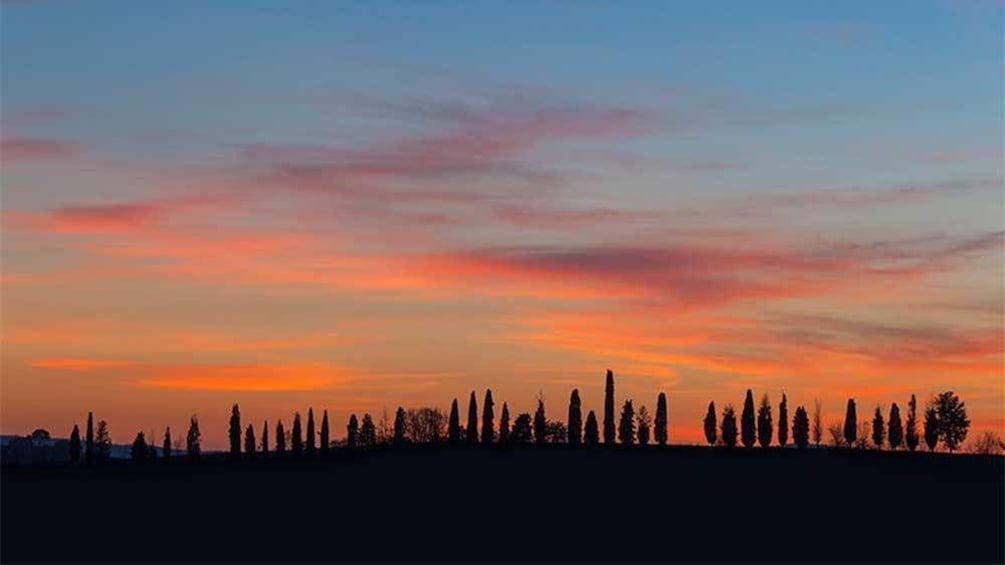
[[944, 420]]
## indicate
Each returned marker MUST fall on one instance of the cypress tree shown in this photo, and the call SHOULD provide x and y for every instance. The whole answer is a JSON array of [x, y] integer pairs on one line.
[[931, 428], [540, 423], [765, 427], [235, 432], [626, 428], [609, 427], [75, 444], [249, 441], [140, 449], [729, 426], [575, 419], [748, 431], [591, 432], [399, 426], [167, 445], [660, 422], [850, 424], [325, 434], [471, 433], [311, 445], [878, 428], [488, 419], [280, 439], [89, 445], [644, 423], [504, 424], [352, 432], [265, 439], [710, 424], [296, 437], [783, 421], [454, 425], [367, 432], [911, 431], [896, 429], [193, 440], [801, 428]]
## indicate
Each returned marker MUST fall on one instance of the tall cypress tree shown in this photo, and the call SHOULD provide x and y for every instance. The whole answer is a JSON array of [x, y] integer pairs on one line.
[[540, 423], [280, 439], [729, 426], [783, 421], [488, 419], [878, 428], [249, 441], [75, 444], [140, 450], [931, 428], [454, 425], [399, 426], [235, 432], [748, 431], [896, 427], [591, 432], [644, 425], [265, 439], [166, 448], [325, 434], [575, 419], [471, 433], [801, 428], [911, 431], [310, 433], [89, 454], [764, 422], [626, 428], [296, 437], [609, 427], [660, 422], [504, 425], [710, 424], [352, 432], [193, 440], [850, 424]]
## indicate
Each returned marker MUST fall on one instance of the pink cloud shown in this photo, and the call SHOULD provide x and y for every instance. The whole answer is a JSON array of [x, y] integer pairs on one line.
[[23, 149]]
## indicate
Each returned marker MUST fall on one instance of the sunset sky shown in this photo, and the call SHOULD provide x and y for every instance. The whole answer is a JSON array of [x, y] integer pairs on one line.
[[357, 205]]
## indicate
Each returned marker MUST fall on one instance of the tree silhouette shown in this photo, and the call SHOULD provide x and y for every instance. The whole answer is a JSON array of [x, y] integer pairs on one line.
[[953, 423], [748, 431], [352, 432], [367, 432], [591, 433], [801, 428], [488, 419], [326, 439], [540, 423], [296, 437], [660, 422], [728, 427], [521, 429], [931, 428], [471, 432], [235, 432], [454, 425], [609, 428], [783, 421], [911, 429], [895, 433], [426, 425], [89, 454], [399, 426], [140, 449], [152, 453], [878, 428], [280, 439], [818, 426], [710, 424], [644, 424], [765, 429], [75, 444], [265, 439], [249, 441], [193, 439], [504, 425], [850, 424], [166, 447], [556, 432], [311, 446], [575, 419], [626, 428], [102, 442]]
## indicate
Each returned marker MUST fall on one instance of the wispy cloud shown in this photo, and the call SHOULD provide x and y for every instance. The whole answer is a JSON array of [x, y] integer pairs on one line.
[[15, 150]]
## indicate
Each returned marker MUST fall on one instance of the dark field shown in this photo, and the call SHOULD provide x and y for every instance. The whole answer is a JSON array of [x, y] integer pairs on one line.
[[676, 504]]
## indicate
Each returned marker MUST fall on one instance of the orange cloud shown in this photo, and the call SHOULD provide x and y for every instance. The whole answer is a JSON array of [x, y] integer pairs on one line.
[[252, 378], [79, 364]]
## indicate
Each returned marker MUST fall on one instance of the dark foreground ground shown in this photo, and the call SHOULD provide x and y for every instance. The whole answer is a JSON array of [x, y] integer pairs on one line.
[[528, 505]]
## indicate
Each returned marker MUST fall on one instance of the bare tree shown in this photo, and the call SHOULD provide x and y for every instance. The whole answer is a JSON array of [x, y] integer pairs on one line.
[[425, 425], [989, 443], [836, 431]]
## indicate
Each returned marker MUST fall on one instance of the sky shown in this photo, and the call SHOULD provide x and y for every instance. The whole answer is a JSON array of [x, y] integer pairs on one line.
[[353, 206]]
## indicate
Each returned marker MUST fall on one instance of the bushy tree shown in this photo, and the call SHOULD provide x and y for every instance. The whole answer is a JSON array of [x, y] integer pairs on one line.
[[555, 432], [471, 433], [249, 441], [748, 428], [75, 444], [540, 423], [521, 429], [280, 439], [193, 439], [325, 436], [783, 421], [660, 421], [952, 420], [504, 425], [311, 445], [931, 428], [911, 427], [626, 428], [591, 432], [644, 424], [352, 432], [878, 428], [728, 427], [801, 428], [818, 425], [488, 419], [710, 424], [102, 442], [575, 419], [89, 455], [895, 428], [367, 431], [235, 432], [140, 449], [296, 436], [166, 446], [609, 427], [850, 424], [454, 425], [765, 427], [399, 426]]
